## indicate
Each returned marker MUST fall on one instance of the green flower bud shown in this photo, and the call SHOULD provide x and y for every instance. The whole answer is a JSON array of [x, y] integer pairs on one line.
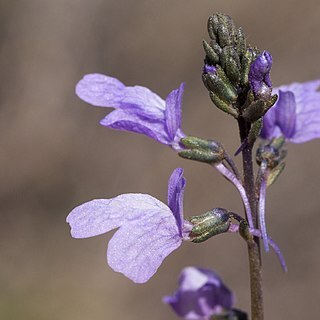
[[202, 150], [224, 106], [209, 224], [220, 85], [211, 56], [248, 57]]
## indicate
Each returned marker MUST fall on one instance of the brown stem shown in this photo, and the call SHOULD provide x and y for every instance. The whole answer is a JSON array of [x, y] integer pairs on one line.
[[255, 267]]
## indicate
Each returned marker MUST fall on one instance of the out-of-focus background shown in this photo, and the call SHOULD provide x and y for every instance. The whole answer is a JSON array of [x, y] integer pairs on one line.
[[54, 155]]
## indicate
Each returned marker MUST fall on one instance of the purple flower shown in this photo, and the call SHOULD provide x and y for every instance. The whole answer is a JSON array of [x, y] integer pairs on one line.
[[296, 114], [201, 294], [259, 75], [148, 230], [137, 109]]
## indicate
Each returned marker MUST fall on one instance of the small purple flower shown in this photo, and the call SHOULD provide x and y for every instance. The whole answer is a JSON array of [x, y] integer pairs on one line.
[[148, 230], [259, 75], [201, 294], [137, 109], [296, 114]]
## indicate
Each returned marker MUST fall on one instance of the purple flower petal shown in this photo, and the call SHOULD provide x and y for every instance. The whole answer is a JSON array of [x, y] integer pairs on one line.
[[269, 124], [286, 113], [148, 229], [176, 186], [144, 102], [100, 90], [173, 111], [138, 249], [123, 120], [201, 294], [259, 75], [102, 215], [148, 232], [138, 109], [104, 91], [279, 120]]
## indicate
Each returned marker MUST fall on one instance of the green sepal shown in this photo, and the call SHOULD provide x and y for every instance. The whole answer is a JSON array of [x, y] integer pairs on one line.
[[209, 224], [206, 156], [254, 111], [247, 59], [211, 55], [241, 43], [210, 28], [199, 143], [258, 108], [224, 36], [277, 143], [224, 106], [275, 173], [220, 84], [254, 132], [272, 153], [230, 62]]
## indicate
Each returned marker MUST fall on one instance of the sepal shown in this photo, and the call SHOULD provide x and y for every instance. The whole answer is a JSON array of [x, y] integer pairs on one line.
[[209, 224], [272, 153], [223, 106], [202, 150], [275, 173]]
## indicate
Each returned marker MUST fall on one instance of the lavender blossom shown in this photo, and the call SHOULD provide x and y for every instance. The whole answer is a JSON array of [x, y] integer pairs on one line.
[[296, 114], [201, 294], [137, 109], [259, 75], [148, 230]]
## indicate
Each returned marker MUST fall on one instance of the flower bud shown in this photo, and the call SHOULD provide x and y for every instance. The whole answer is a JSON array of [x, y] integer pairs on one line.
[[259, 76], [230, 62], [220, 85], [258, 108], [222, 105], [209, 224], [202, 150], [211, 56], [248, 57], [241, 43]]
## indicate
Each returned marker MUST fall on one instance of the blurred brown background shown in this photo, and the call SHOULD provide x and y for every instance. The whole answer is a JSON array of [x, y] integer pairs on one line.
[[54, 155]]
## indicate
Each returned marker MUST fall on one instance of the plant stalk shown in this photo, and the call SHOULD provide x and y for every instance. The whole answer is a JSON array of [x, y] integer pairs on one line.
[[255, 266]]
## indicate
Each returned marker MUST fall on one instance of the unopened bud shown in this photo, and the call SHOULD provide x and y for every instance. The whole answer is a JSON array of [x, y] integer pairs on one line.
[[224, 106], [220, 85], [202, 150], [211, 56], [259, 76], [257, 109], [248, 57], [209, 224], [231, 64]]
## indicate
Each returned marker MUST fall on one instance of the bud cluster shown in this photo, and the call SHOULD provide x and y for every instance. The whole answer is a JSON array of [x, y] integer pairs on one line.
[[236, 74]]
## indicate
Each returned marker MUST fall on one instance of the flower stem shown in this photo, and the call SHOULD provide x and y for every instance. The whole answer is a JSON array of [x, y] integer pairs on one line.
[[255, 266]]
